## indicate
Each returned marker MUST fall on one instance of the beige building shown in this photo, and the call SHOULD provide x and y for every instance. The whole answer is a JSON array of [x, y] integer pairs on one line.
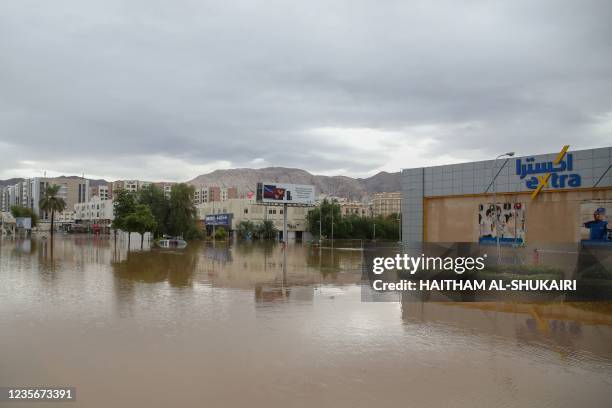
[[242, 209], [73, 190], [129, 185], [204, 195], [356, 208], [104, 191], [384, 204]]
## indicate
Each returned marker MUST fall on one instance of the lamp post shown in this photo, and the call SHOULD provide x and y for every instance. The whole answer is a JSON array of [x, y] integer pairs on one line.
[[494, 181], [399, 220], [332, 222]]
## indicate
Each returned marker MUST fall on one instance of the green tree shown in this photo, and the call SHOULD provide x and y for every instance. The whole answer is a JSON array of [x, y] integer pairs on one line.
[[220, 234], [124, 204], [245, 229], [141, 220], [323, 213], [265, 230], [24, 212], [182, 217], [351, 226], [158, 203], [52, 203]]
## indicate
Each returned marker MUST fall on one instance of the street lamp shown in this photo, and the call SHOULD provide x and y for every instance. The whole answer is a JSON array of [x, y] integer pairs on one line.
[[494, 185], [399, 220]]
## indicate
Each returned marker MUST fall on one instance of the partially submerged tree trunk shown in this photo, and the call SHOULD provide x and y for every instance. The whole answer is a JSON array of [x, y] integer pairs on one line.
[[52, 217], [129, 236], [141, 240]]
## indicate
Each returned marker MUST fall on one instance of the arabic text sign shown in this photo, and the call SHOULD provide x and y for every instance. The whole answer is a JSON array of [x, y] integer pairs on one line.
[[218, 219], [553, 174]]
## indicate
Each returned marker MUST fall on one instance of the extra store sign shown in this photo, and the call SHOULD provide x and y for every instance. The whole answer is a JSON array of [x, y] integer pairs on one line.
[[554, 174]]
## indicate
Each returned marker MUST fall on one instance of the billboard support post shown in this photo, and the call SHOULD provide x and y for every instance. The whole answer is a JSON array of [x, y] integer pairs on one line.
[[285, 237]]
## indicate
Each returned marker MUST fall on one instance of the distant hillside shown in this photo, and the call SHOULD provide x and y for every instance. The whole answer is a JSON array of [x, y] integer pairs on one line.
[[10, 182], [246, 180]]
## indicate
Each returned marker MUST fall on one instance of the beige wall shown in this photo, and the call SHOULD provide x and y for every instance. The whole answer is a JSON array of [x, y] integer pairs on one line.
[[248, 209], [553, 217]]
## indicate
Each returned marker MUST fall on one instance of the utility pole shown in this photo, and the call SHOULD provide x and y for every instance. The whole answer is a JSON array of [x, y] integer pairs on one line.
[[214, 221], [332, 222], [399, 218], [374, 237], [494, 185]]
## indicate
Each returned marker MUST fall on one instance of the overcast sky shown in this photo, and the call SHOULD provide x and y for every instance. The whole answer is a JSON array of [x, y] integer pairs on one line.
[[167, 90]]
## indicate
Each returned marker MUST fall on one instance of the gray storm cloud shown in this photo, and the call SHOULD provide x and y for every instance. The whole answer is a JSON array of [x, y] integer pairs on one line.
[[168, 89]]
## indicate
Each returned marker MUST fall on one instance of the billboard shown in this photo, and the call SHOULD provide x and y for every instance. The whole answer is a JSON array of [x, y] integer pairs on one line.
[[509, 217], [284, 193], [23, 222]]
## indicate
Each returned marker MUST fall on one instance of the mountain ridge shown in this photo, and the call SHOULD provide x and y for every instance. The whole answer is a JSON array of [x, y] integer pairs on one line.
[[245, 179]]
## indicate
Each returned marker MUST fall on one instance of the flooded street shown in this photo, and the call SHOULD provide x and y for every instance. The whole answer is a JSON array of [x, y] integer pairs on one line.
[[234, 325]]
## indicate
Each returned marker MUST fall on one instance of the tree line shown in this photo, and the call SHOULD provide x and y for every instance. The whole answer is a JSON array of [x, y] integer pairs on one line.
[[150, 210], [351, 226], [261, 230]]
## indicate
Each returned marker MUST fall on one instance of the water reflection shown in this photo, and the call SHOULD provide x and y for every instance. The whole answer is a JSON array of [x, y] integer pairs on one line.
[[175, 267], [281, 325]]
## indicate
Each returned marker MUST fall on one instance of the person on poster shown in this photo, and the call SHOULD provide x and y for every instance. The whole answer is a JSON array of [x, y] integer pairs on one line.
[[598, 228]]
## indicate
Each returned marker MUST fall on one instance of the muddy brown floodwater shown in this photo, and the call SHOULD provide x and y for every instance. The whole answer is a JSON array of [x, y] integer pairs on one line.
[[236, 326]]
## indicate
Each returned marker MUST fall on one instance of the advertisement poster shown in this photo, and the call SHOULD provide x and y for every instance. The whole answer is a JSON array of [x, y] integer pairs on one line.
[[286, 193], [506, 219], [594, 221]]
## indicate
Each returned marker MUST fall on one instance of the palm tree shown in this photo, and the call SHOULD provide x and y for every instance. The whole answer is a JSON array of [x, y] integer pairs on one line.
[[52, 203]]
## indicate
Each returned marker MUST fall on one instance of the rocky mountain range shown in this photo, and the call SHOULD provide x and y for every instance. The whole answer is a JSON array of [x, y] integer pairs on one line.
[[341, 186]]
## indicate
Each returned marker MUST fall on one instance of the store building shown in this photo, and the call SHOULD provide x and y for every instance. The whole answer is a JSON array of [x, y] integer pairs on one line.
[[540, 199], [228, 214]]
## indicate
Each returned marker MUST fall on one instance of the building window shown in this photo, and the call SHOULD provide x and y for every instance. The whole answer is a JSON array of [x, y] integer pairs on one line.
[[246, 210]]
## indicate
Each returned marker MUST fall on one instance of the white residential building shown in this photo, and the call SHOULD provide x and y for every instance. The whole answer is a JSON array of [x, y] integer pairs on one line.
[[95, 210]]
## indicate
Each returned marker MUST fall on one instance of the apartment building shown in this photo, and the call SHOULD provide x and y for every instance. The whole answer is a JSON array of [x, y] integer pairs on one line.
[[129, 185], [385, 204], [104, 191], [94, 211], [349, 208], [204, 195], [229, 193], [28, 193], [166, 187]]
